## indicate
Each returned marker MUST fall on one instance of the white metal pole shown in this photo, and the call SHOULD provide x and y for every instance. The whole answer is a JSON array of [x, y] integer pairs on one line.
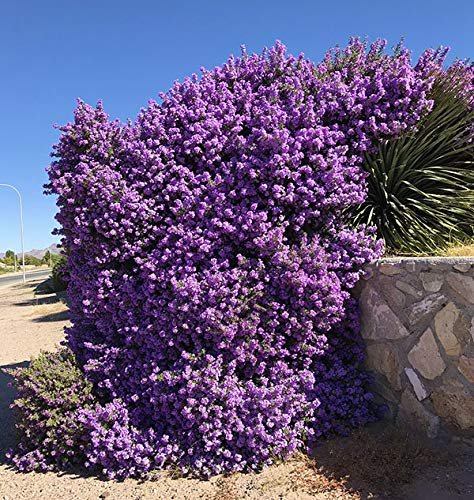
[[21, 227]]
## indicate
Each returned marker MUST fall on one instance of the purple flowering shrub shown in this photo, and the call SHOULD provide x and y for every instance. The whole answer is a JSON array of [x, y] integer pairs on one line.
[[210, 265]]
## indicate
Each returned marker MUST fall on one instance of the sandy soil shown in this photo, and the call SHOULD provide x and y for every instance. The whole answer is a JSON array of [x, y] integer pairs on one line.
[[380, 462]]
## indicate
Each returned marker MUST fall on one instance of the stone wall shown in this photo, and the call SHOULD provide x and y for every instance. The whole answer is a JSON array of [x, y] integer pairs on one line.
[[418, 325]]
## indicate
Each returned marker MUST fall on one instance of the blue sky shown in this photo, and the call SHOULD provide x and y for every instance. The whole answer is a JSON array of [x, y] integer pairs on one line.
[[126, 52]]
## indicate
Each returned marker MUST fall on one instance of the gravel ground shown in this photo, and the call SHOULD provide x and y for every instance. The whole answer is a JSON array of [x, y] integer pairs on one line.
[[380, 462]]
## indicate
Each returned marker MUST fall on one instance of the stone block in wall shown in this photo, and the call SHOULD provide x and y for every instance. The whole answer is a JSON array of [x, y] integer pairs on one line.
[[389, 269], [444, 322], [462, 329], [462, 267], [425, 356], [410, 266], [384, 395], [378, 321], [423, 309], [408, 289], [383, 359], [462, 285], [381, 387], [414, 413], [393, 295], [455, 404], [418, 387], [466, 367], [432, 282]]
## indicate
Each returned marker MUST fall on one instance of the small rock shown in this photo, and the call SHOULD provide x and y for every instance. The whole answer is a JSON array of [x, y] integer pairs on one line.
[[463, 285], [425, 308], [418, 387], [444, 327], [425, 356], [462, 267], [105, 494], [410, 266], [454, 404], [466, 367], [410, 290], [389, 269], [432, 282]]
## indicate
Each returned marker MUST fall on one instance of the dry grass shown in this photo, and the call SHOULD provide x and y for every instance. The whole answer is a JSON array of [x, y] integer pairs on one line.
[[460, 251], [453, 248]]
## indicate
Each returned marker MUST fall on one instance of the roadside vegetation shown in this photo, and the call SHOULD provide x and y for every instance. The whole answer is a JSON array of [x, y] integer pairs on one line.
[[12, 262]]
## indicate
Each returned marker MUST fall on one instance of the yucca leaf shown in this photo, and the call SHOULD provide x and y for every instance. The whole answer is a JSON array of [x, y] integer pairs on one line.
[[421, 185]]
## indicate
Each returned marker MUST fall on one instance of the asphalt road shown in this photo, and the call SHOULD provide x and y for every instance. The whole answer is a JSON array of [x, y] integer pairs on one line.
[[18, 278]]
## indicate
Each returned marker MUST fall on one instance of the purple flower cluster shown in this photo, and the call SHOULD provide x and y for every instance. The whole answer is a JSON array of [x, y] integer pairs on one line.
[[210, 266], [111, 443]]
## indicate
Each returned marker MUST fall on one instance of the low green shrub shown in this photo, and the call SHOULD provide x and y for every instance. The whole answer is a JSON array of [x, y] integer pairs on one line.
[[59, 275], [51, 389]]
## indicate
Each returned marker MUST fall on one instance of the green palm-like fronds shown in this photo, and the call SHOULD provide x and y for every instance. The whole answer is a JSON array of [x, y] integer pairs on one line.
[[421, 185]]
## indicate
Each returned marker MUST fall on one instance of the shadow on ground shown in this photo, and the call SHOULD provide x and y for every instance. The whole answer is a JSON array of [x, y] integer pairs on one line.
[[384, 461], [7, 421], [40, 301], [44, 294], [57, 316]]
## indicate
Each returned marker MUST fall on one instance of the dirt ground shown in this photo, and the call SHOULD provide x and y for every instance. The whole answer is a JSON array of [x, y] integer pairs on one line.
[[378, 462]]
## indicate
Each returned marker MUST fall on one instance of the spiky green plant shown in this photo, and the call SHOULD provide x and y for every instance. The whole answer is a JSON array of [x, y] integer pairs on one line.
[[421, 185]]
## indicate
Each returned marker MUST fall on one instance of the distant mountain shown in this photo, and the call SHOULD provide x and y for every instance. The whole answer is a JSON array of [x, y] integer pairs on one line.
[[53, 248]]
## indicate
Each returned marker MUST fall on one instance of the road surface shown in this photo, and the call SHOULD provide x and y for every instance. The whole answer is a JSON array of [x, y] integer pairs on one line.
[[11, 279]]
